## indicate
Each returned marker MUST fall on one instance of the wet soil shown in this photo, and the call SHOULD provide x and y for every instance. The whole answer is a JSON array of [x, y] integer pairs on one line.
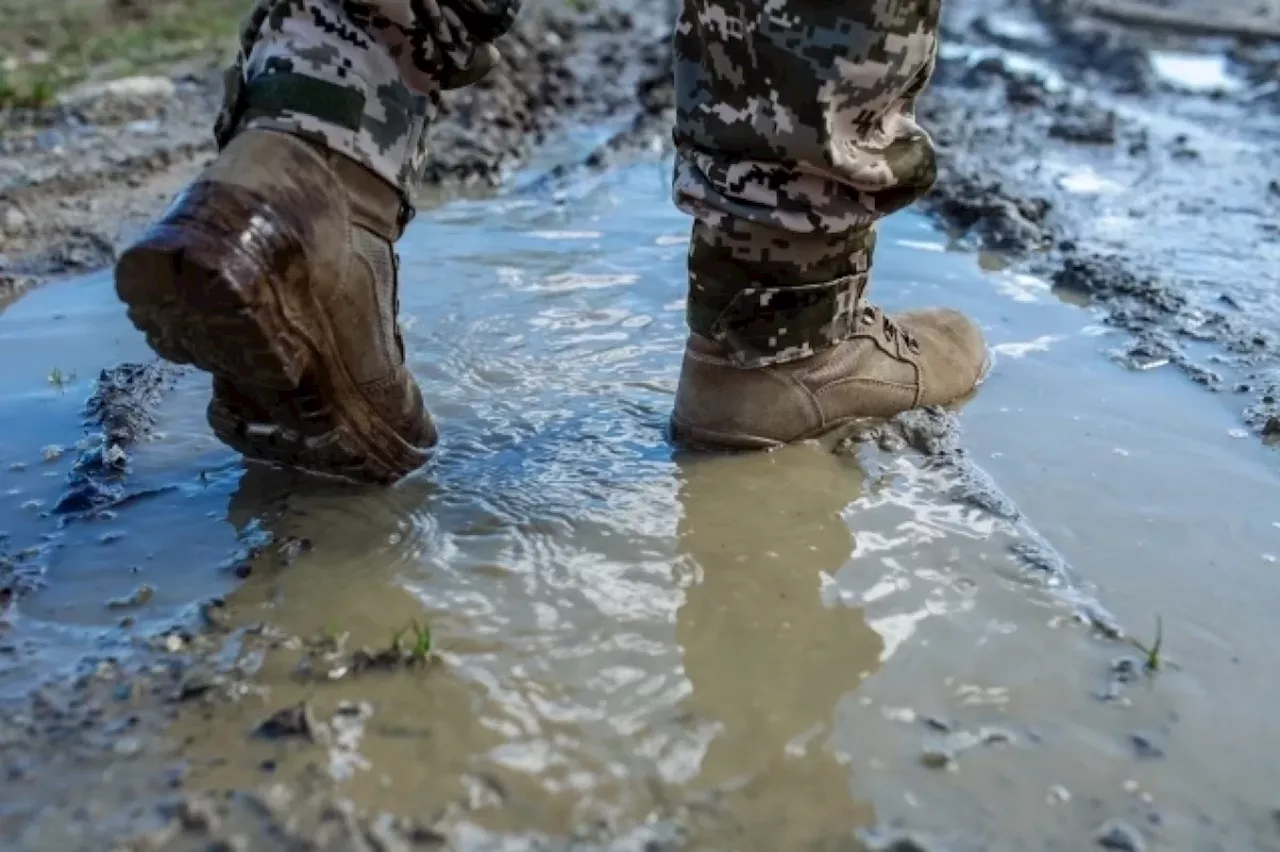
[[920, 637], [79, 178], [1134, 169]]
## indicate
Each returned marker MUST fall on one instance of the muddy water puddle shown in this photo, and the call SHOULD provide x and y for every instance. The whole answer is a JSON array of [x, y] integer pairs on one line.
[[762, 651]]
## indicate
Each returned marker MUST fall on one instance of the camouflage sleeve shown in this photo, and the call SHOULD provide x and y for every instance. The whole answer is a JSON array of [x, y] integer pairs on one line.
[[795, 132], [357, 75]]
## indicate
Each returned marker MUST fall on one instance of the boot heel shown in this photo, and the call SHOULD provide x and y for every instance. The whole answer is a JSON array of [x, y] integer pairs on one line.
[[203, 285]]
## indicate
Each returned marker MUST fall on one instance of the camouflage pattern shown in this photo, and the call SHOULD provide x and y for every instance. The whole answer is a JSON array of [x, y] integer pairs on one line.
[[795, 133], [359, 76]]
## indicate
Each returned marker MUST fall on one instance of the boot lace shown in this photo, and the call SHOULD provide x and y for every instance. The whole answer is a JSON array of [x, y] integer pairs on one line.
[[889, 328]]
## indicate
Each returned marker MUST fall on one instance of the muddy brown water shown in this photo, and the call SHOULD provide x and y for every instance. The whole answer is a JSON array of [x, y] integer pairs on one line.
[[749, 652]]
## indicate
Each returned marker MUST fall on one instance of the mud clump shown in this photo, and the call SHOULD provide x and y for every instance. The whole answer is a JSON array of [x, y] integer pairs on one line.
[[122, 406], [1085, 124], [972, 205], [1147, 745], [1120, 836], [890, 840], [297, 721], [1105, 278], [944, 753], [124, 400], [494, 123], [932, 432]]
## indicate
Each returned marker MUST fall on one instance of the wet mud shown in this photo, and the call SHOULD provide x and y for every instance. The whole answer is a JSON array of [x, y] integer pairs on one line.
[[1133, 168], [931, 634], [81, 177]]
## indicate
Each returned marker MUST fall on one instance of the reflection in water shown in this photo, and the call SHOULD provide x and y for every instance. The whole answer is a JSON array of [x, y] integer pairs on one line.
[[767, 660], [735, 707]]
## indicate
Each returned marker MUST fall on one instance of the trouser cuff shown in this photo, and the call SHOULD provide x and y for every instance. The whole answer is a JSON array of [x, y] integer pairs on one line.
[[769, 297]]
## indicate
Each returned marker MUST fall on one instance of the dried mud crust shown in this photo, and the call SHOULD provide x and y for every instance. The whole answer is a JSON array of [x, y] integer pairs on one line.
[[80, 178]]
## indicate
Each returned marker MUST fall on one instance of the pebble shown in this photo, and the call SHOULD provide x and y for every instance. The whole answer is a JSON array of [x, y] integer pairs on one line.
[[1147, 745], [127, 746], [1058, 793], [139, 597], [13, 221], [1119, 835], [904, 715]]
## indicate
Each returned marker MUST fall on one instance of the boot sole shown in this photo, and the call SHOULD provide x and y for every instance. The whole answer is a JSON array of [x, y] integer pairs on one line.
[[210, 285]]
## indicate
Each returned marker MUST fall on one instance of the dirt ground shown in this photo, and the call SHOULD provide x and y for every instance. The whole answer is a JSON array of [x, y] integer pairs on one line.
[[1074, 145]]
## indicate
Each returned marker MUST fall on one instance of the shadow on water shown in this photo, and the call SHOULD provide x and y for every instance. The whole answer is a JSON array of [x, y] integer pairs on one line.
[[766, 650]]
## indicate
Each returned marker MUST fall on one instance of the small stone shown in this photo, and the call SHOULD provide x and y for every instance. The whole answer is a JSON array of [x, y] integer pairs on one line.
[[904, 715], [1272, 427], [197, 814], [13, 221], [1147, 745], [173, 643], [214, 613], [127, 746], [1058, 794], [196, 683], [294, 721], [883, 841], [1121, 836], [938, 757], [139, 597], [1131, 787], [361, 710]]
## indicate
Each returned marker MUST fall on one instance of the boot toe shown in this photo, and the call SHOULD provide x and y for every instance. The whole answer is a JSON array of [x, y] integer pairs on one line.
[[953, 354]]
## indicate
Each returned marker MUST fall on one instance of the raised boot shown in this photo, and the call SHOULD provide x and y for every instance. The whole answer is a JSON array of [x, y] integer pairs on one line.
[[275, 272], [772, 362]]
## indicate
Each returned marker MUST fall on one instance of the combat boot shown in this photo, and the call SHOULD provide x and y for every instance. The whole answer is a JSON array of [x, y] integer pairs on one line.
[[797, 354], [275, 272]]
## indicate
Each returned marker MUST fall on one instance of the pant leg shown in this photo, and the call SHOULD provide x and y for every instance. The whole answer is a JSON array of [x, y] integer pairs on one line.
[[357, 76], [795, 133]]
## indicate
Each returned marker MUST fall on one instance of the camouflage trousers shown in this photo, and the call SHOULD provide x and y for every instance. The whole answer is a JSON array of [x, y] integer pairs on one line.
[[794, 132]]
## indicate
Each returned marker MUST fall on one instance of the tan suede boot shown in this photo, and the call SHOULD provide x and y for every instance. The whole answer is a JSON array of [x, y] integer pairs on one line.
[[275, 272], [785, 347], [887, 366]]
